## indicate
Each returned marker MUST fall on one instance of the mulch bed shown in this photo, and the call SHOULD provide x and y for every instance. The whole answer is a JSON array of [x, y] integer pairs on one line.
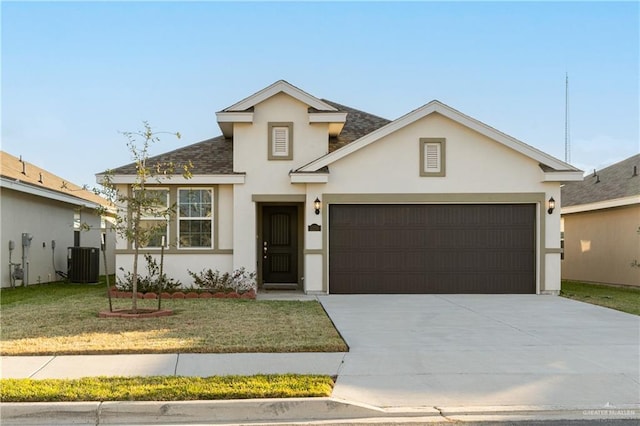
[[181, 295], [140, 313]]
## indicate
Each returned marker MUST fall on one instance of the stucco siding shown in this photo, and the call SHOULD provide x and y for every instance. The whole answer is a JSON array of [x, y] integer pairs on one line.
[[225, 217], [46, 220], [601, 245], [177, 266], [475, 163]]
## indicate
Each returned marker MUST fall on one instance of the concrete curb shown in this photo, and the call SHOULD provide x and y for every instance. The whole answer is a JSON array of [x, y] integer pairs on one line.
[[152, 412], [287, 410]]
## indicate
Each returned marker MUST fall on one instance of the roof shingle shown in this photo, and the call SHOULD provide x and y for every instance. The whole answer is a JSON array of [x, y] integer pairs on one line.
[[358, 124], [16, 169], [215, 156], [613, 182], [209, 157]]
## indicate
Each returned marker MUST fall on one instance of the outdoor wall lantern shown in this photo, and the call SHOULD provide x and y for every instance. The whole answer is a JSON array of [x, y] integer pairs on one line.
[[316, 205], [552, 205]]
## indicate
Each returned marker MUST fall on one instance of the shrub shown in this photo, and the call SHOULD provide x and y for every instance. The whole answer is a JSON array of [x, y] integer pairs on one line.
[[151, 281], [239, 281]]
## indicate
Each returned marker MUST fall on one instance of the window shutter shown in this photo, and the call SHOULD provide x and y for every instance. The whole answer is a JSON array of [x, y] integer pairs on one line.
[[280, 142], [432, 158]]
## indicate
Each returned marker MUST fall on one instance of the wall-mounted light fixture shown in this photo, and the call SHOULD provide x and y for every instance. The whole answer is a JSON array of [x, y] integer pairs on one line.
[[316, 205], [552, 205]]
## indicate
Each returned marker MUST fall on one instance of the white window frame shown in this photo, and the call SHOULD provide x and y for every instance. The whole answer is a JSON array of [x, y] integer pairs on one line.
[[429, 145], [211, 218]]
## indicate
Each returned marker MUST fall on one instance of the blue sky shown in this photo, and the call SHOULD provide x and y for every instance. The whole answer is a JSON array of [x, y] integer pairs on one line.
[[74, 74]]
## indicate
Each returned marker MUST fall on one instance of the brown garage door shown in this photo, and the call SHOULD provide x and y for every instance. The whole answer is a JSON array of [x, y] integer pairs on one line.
[[487, 248]]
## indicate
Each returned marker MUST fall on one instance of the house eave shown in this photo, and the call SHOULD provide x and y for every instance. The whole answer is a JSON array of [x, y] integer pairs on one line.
[[227, 119], [274, 89], [601, 205], [336, 120], [446, 111], [563, 176], [309, 177], [46, 193], [220, 179]]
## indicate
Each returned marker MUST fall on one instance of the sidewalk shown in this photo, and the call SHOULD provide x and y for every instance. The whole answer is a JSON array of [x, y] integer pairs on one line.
[[202, 365], [412, 360], [264, 411]]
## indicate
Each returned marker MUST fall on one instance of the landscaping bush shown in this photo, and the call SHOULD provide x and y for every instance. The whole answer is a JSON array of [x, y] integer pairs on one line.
[[239, 281], [151, 281]]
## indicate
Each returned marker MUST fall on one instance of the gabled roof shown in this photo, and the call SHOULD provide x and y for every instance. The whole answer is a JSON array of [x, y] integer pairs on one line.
[[358, 124], [215, 156], [318, 110], [275, 88], [20, 175], [552, 164], [612, 183]]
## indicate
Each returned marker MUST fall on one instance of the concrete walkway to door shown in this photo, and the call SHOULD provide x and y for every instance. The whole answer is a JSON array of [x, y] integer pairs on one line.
[[463, 351]]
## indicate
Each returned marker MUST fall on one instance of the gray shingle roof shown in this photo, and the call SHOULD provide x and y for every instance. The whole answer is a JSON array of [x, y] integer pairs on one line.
[[616, 181], [358, 124], [212, 156], [215, 156]]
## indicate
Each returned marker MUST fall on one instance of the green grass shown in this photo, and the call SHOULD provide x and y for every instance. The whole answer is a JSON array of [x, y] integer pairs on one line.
[[58, 319], [165, 388], [623, 299]]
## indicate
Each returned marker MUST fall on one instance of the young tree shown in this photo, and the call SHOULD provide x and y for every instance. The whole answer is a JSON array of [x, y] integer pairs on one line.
[[134, 204]]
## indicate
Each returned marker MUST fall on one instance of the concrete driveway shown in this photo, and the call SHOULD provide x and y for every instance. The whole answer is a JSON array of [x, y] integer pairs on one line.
[[518, 351]]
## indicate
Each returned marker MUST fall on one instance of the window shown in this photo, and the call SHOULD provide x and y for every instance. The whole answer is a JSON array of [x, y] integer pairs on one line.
[[76, 229], [195, 218], [153, 217], [432, 157], [280, 141]]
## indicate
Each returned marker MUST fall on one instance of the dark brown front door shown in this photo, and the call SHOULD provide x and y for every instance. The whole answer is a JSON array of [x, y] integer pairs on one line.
[[280, 245], [432, 248]]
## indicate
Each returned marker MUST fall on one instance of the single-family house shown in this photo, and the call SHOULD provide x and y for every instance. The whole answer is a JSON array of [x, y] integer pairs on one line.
[[601, 225], [42, 216], [320, 197]]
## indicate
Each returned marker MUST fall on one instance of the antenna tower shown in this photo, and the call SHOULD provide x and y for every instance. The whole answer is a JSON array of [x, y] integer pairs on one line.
[[567, 135]]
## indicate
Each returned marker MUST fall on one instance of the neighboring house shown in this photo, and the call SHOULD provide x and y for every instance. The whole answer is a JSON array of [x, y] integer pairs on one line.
[[43, 215], [601, 221], [323, 198]]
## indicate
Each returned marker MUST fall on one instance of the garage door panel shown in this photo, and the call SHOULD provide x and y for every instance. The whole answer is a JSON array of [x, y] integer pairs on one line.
[[432, 248]]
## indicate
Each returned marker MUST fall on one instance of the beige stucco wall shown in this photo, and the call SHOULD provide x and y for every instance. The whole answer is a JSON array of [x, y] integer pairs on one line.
[[264, 176], [179, 261], [46, 220], [475, 165], [600, 246]]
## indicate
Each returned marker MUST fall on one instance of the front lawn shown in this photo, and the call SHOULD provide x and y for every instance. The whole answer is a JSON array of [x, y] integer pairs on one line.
[[164, 388], [623, 299], [57, 319]]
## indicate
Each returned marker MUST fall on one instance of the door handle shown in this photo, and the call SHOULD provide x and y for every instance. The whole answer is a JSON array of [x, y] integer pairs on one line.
[[264, 249]]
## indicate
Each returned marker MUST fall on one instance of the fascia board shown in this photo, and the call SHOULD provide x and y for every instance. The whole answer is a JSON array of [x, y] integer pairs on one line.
[[431, 107], [335, 120], [179, 180], [503, 138], [275, 88], [369, 138], [564, 176], [234, 117], [327, 117], [309, 177], [46, 193], [226, 120], [600, 205]]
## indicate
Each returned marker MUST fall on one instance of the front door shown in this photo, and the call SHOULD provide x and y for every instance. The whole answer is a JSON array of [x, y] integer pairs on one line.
[[280, 246]]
